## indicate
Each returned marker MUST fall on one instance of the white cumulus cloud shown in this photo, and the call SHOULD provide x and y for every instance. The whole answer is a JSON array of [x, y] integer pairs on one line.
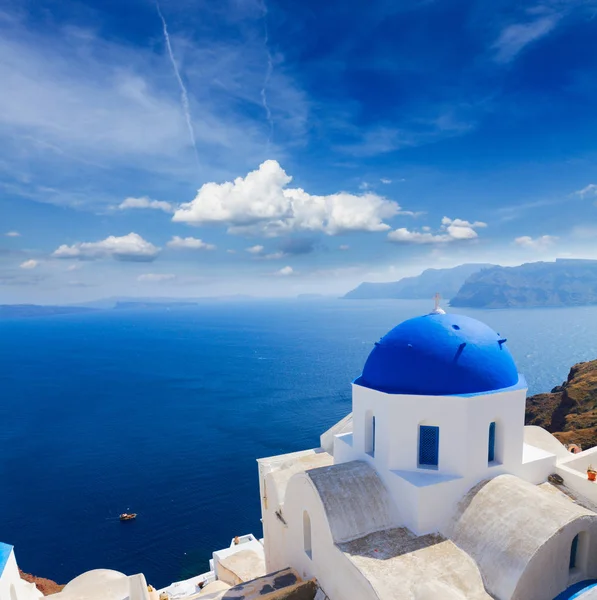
[[189, 243], [261, 203], [344, 247], [539, 243], [285, 271], [12, 234], [386, 181], [155, 277], [145, 202], [255, 249], [461, 230], [131, 247], [451, 230], [29, 264]]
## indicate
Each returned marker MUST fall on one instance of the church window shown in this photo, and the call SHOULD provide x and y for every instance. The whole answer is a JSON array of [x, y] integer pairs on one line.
[[491, 446], [370, 433], [428, 446], [307, 534]]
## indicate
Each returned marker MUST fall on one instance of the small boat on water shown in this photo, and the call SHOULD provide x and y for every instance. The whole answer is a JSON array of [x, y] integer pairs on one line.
[[128, 516]]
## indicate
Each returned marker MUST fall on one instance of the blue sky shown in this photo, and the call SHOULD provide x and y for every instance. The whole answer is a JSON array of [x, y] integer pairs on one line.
[[275, 147]]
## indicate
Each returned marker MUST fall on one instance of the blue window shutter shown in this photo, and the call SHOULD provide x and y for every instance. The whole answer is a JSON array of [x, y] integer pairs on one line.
[[573, 550], [428, 445], [491, 449]]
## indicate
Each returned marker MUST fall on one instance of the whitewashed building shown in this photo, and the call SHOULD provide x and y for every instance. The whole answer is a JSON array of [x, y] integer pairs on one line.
[[433, 487]]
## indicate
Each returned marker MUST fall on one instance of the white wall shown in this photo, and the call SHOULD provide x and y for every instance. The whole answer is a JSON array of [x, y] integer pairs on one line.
[[12, 587], [463, 423], [574, 473], [274, 475], [547, 574], [338, 576]]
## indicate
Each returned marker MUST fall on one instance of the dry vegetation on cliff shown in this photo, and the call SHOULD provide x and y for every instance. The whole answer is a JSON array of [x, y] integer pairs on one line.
[[45, 586], [569, 411]]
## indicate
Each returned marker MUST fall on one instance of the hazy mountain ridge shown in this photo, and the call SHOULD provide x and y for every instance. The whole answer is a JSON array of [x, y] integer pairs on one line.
[[565, 282], [431, 281]]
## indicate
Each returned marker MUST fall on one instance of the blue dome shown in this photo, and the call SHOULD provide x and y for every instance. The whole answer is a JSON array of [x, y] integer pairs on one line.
[[440, 355]]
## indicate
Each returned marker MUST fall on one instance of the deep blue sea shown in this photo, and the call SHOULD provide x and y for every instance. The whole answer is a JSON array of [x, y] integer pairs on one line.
[[163, 412]]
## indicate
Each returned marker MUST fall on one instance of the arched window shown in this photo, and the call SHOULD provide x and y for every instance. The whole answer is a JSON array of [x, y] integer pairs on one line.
[[307, 534], [491, 445], [573, 552], [428, 446], [370, 433]]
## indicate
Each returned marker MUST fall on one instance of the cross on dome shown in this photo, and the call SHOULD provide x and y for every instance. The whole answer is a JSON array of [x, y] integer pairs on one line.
[[438, 310]]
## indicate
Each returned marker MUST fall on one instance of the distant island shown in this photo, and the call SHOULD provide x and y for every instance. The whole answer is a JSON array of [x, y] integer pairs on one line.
[[153, 305], [447, 282], [565, 282], [9, 311], [34, 310], [155, 301]]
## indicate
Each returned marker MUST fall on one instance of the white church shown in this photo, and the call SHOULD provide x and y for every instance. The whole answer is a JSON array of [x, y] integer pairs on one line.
[[431, 489]]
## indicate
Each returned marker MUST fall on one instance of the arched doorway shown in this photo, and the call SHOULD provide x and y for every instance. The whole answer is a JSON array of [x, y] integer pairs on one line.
[[307, 534]]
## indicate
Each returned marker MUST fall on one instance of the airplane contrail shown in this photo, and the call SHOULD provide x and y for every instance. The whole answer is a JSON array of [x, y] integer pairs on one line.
[[183, 90], [268, 75]]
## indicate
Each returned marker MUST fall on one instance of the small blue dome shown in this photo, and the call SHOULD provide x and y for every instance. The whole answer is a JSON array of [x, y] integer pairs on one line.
[[440, 355]]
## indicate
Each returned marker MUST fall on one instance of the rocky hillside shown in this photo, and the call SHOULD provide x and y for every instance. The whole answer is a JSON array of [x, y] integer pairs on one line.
[[45, 586], [569, 411], [565, 282]]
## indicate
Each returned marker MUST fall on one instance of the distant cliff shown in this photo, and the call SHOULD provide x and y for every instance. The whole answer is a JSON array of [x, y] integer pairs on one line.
[[561, 283], [569, 411], [445, 281]]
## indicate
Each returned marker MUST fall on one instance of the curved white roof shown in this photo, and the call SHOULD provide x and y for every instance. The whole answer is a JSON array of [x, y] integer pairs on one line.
[[355, 500]]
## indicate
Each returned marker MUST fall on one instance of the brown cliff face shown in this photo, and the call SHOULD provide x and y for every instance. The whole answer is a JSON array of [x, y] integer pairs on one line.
[[45, 586], [569, 411]]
